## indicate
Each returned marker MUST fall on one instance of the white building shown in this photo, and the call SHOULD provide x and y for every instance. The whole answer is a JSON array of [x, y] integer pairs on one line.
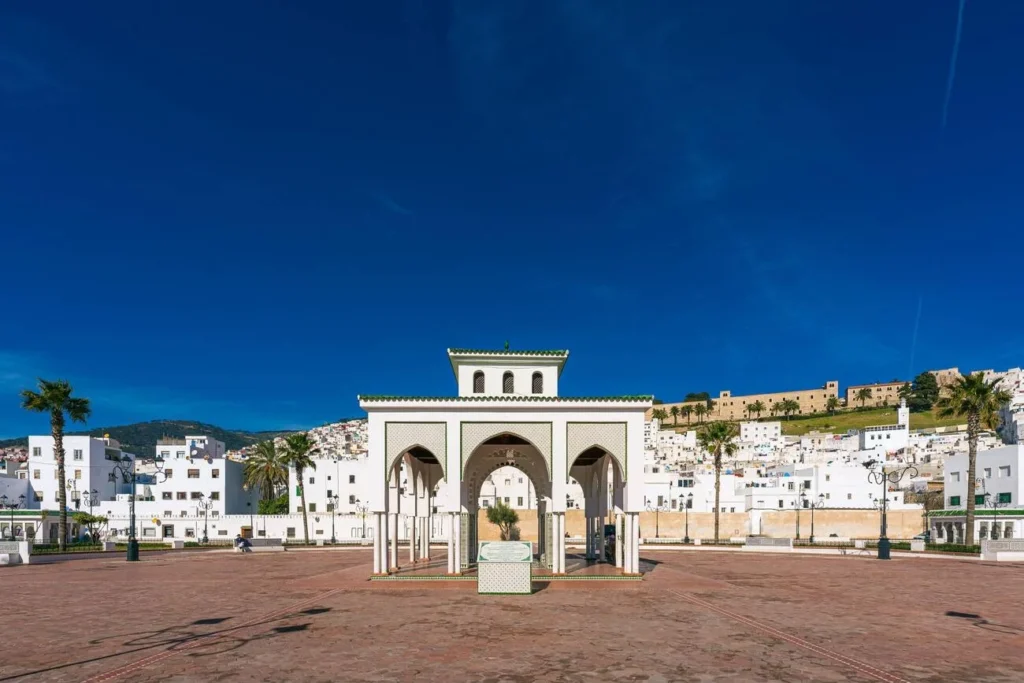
[[346, 478], [999, 512], [88, 468], [888, 438], [761, 432]]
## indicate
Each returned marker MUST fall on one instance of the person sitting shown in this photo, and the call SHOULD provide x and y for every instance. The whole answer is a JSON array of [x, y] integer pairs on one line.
[[242, 544]]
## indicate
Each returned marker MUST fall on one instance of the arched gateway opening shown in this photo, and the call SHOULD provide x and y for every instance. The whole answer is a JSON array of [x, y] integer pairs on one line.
[[506, 450]]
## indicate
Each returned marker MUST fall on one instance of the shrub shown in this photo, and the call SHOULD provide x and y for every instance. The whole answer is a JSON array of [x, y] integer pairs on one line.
[[505, 518]]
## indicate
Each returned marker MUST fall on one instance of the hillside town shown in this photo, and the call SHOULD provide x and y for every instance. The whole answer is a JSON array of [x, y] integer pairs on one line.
[[187, 483]]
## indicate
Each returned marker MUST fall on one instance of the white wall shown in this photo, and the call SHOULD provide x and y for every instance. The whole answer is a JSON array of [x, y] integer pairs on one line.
[[991, 470], [493, 374], [85, 462]]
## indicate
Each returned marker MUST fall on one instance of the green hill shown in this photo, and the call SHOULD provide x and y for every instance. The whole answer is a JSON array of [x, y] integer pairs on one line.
[[140, 438], [847, 419]]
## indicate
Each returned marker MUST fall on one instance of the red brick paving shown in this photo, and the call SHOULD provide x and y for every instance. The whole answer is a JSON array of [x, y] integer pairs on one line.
[[697, 616]]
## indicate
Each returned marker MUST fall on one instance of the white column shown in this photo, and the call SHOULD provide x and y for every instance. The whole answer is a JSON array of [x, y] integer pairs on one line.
[[560, 542], [600, 539], [636, 543], [394, 541], [458, 543], [376, 543], [447, 521], [382, 532], [619, 540], [451, 542], [413, 521]]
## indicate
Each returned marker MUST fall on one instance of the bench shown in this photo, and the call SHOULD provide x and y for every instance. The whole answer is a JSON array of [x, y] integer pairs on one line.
[[859, 548], [263, 545], [1008, 550], [768, 545]]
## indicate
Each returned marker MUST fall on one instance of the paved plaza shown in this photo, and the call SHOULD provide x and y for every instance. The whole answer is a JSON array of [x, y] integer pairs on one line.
[[698, 616]]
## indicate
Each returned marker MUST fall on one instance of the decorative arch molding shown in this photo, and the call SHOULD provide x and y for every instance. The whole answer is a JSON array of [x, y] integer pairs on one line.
[[608, 436], [478, 470], [473, 434], [400, 437]]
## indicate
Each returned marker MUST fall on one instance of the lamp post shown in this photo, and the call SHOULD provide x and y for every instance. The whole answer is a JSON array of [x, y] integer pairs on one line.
[[988, 499], [205, 504], [75, 495], [884, 478], [799, 502], [362, 509], [9, 504], [334, 513], [821, 502], [90, 499], [686, 517], [124, 469]]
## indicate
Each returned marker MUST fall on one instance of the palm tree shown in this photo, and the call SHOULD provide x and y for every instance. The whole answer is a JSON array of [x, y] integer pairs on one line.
[[700, 410], [832, 404], [864, 395], [775, 408], [659, 414], [675, 414], [980, 402], [790, 406], [266, 470], [758, 407], [718, 438], [55, 398], [750, 410], [687, 411], [297, 451]]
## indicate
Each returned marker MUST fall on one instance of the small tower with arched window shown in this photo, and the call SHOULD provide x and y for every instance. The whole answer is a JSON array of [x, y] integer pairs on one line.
[[507, 372]]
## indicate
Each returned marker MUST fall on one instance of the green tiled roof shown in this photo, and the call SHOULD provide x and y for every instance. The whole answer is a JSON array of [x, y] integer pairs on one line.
[[979, 513], [510, 398], [509, 352]]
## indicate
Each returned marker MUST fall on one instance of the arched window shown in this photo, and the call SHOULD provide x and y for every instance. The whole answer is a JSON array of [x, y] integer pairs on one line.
[[538, 383], [478, 382], [508, 383]]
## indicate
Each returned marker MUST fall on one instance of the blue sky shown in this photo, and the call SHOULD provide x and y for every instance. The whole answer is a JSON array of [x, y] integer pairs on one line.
[[247, 213]]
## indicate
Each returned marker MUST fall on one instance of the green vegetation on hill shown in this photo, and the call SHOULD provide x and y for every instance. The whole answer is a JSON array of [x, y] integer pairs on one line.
[[850, 419], [140, 438]]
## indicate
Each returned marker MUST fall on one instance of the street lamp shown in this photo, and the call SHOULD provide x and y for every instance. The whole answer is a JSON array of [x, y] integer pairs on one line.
[[362, 509], [124, 469], [334, 513], [686, 516], [799, 502], [205, 504], [988, 499], [820, 503], [75, 495], [884, 478], [91, 498], [9, 504]]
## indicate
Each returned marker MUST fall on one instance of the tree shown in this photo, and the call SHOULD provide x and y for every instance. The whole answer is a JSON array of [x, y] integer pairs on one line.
[[659, 414], [980, 402], [504, 517], [698, 396], [790, 406], [266, 470], [274, 506], [298, 451], [775, 408], [718, 438], [906, 391], [675, 414], [700, 410], [55, 398], [863, 395], [91, 522], [832, 404], [687, 411], [758, 407], [750, 410], [925, 393]]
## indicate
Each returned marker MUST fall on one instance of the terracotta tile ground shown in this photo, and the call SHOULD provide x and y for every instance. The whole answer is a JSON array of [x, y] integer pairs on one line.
[[698, 616]]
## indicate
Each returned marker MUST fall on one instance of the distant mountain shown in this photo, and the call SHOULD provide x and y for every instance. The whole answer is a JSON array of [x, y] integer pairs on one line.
[[140, 438]]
